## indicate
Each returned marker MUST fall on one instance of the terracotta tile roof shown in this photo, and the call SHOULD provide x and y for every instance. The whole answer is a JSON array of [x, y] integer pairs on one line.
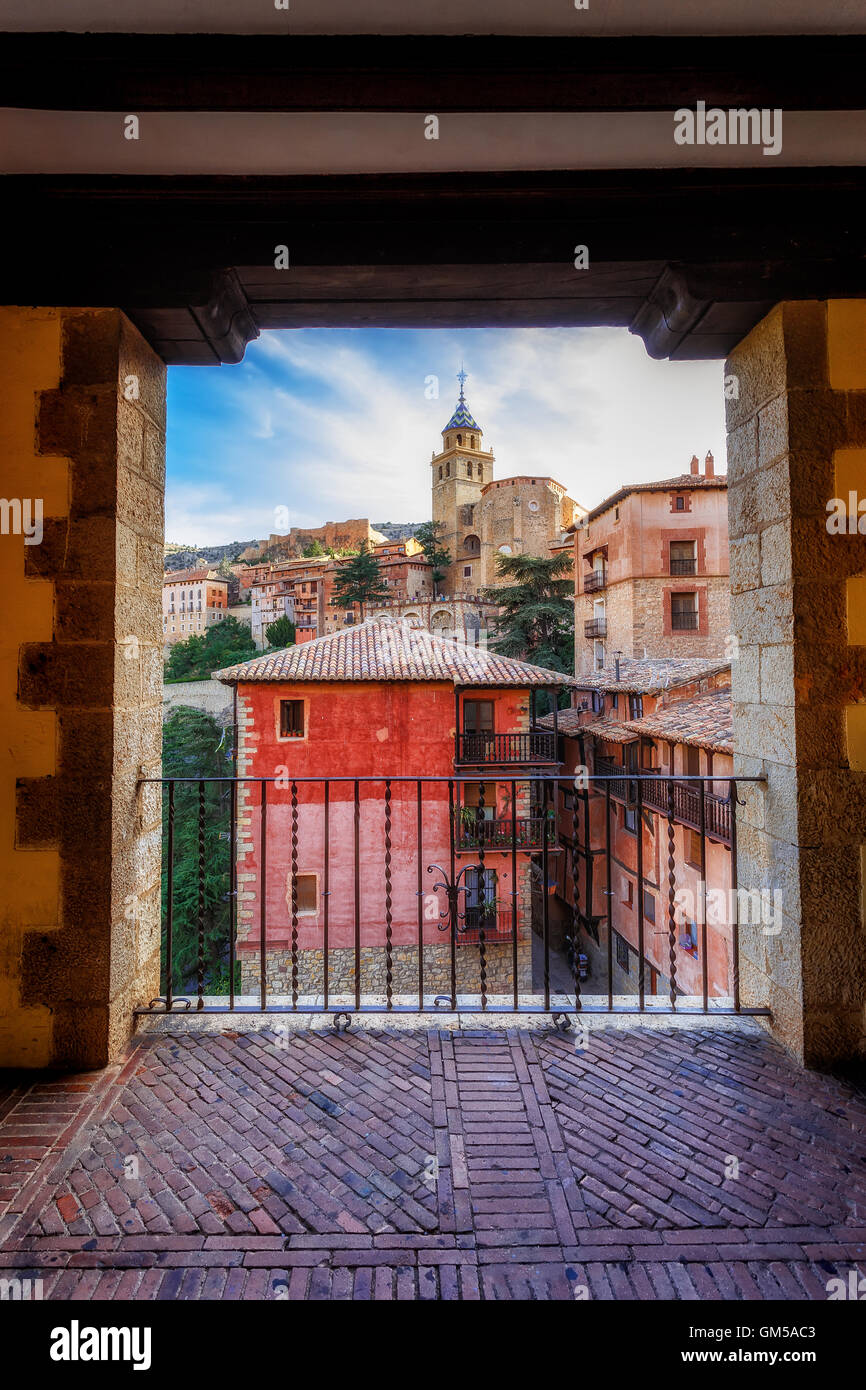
[[682, 483], [704, 721], [612, 730], [651, 676], [192, 576], [383, 650]]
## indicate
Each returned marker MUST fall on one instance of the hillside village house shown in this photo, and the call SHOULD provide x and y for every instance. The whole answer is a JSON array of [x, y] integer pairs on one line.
[[651, 571], [348, 863], [662, 718], [303, 590], [192, 601]]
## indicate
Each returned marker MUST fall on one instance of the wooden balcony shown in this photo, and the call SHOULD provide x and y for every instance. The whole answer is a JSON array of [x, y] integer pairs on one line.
[[595, 580], [596, 627], [655, 795]]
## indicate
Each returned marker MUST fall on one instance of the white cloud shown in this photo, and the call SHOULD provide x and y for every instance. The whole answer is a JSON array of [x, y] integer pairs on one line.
[[350, 433]]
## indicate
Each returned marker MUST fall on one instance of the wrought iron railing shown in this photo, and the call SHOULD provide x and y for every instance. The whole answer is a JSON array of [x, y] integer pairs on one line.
[[687, 566], [596, 627], [595, 580], [388, 928], [532, 746]]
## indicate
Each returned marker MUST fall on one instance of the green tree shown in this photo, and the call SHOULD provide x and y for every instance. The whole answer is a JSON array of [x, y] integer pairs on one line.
[[280, 634], [536, 618], [314, 548], [429, 537], [223, 644], [359, 580], [195, 745]]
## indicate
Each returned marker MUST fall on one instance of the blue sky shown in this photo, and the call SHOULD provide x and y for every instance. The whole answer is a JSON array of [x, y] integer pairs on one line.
[[338, 423]]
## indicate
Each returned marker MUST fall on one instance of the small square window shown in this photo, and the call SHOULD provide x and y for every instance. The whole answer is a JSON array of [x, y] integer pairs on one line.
[[680, 504], [467, 571], [307, 889], [693, 847], [689, 939], [622, 952], [649, 906], [291, 719]]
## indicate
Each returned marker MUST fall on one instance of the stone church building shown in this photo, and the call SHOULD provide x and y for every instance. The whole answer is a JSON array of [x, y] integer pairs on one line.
[[483, 517]]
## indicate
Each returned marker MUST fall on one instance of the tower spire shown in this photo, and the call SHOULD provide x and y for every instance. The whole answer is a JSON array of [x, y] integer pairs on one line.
[[461, 377]]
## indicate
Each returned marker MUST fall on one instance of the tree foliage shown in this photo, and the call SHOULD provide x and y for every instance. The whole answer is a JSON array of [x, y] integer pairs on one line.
[[429, 537], [359, 580], [223, 644], [195, 745], [536, 619], [280, 633]]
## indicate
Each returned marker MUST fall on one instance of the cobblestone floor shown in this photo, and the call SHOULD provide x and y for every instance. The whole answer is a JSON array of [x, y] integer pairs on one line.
[[433, 1164]]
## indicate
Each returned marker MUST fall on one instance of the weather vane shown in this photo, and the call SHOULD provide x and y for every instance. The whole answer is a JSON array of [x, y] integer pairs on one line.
[[461, 377]]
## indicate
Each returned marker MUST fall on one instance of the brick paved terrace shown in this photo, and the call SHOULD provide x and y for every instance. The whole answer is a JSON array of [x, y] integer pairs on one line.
[[428, 1164]]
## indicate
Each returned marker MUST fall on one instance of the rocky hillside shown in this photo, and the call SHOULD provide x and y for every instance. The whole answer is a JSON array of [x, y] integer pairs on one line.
[[397, 530], [182, 558]]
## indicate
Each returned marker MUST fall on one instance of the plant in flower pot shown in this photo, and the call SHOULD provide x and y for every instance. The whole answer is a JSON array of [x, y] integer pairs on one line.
[[487, 913], [467, 822]]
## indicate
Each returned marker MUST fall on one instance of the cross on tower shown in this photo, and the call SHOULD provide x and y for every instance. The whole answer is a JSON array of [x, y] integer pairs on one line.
[[461, 377]]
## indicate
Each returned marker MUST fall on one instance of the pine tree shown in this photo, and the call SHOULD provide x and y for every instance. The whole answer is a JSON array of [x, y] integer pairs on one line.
[[195, 745], [223, 644], [429, 537], [536, 620], [280, 634], [358, 580]]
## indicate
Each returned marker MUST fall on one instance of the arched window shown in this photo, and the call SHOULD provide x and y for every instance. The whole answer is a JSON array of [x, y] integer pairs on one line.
[[460, 439], [440, 472], [469, 468], [472, 545], [474, 442]]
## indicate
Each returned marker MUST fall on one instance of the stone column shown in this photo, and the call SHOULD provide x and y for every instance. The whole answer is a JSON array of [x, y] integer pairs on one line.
[[87, 404], [796, 440]]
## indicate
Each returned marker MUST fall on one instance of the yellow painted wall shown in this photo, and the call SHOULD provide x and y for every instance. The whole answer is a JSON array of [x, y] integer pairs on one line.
[[29, 363]]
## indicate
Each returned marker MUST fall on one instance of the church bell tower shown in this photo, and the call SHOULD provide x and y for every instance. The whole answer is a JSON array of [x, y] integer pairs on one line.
[[460, 471]]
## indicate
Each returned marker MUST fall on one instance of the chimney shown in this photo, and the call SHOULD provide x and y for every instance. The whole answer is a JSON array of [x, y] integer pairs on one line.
[[696, 467], [616, 657], [708, 466]]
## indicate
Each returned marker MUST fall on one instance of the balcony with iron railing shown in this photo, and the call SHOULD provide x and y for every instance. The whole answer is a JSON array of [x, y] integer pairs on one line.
[[595, 580], [596, 627], [500, 832], [530, 746], [688, 565]]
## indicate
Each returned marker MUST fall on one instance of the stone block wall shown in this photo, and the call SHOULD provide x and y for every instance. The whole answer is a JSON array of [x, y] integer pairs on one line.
[[85, 421], [796, 440], [404, 969]]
